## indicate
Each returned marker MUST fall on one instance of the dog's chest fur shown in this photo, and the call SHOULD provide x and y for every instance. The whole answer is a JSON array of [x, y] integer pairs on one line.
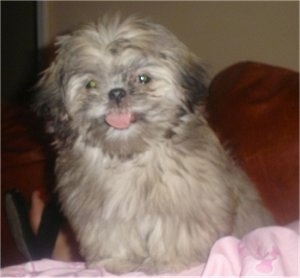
[[166, 183], [164, 206]]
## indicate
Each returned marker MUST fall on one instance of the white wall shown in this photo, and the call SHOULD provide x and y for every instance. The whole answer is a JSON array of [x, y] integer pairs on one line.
[[221, 33]]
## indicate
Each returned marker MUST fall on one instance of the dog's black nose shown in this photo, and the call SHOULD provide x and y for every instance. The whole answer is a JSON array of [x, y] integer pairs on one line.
[[117, 94]]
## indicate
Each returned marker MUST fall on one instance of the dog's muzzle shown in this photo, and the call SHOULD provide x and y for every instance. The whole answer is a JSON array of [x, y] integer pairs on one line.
[[119, 119]]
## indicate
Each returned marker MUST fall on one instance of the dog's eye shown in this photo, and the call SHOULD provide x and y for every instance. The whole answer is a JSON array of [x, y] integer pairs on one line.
[[92, 84], [144, 78]]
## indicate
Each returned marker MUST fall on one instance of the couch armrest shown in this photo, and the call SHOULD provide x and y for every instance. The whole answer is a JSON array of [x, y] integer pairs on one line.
[[254, 108]]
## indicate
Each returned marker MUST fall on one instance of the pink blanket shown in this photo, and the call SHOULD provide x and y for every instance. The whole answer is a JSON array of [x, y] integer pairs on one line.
[[269, 251]]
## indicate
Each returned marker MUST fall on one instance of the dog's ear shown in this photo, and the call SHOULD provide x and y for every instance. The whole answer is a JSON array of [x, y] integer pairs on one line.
[[194, 81], [49, 104]]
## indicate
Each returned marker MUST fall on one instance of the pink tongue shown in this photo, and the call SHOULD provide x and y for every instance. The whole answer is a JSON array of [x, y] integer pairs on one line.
[[119, 120]]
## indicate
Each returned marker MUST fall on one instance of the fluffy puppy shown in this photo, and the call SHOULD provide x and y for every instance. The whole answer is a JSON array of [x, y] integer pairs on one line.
[[142, 178]]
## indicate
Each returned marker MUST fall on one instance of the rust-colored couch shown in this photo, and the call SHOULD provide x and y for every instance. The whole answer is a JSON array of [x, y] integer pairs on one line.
[[254, 109]]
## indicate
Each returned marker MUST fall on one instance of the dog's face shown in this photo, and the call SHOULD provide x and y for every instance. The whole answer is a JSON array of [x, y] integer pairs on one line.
[[120, 85]]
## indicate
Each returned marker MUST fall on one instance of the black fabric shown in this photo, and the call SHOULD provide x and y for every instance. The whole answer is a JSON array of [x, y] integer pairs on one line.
[[33, 247]]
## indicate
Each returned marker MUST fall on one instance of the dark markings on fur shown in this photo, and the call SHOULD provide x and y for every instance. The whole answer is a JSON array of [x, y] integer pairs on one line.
[[113, 51], [163, 55], [181, 112], [193, 81], [169, 134], [121, 45], [61, 76]]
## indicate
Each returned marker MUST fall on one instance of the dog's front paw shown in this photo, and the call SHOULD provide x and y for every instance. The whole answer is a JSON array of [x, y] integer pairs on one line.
[[115, 265]]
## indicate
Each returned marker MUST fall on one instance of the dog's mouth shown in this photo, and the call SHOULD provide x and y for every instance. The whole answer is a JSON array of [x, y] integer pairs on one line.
[[120, 119]]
